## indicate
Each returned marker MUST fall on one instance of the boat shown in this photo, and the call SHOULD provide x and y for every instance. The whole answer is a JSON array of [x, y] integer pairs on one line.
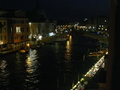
[[22, 51], [96, 53]]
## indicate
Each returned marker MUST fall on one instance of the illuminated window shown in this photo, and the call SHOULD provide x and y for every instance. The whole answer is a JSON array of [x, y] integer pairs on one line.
[[18, 29], [105, 20], [99, 25]]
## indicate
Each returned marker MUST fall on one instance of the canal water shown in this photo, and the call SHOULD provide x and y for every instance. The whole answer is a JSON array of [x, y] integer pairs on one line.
[[56, 66]]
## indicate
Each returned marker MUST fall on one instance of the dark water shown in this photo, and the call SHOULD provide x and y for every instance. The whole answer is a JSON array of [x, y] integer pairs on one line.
[[54, 67]]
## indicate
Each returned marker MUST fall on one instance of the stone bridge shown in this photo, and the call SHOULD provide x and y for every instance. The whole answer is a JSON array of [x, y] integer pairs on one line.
[[98, 37]]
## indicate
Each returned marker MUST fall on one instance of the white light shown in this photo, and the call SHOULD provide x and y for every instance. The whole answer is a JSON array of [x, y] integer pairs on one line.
[[1, 42], [56, 30], [51, 34], [18, 29], [105, 29], [66, 31], [85, 19], [30, 36], [76, 24], [40, 37], [29, 23], [89, 27]]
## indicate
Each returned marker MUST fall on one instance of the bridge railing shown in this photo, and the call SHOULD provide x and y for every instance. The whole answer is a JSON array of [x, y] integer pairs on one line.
[[90, 74]]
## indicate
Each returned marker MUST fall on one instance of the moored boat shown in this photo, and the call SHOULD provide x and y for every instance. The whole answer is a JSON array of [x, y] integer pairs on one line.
[[96, 53]]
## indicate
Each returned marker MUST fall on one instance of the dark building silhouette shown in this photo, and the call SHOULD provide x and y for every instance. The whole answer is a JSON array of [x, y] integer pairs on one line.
[[113, 63], [38, 13]]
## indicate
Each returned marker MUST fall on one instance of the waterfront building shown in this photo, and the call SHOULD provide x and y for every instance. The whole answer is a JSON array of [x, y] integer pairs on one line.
[[39, 24], [97, 24], [18, 28], [14, 30], [3, 33], [41, 29]]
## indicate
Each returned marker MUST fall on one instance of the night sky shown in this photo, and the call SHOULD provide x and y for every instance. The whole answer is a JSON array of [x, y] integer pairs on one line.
[[69, 10]]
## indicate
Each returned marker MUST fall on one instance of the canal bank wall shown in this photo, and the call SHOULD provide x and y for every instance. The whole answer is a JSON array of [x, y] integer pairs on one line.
[[34, 43]]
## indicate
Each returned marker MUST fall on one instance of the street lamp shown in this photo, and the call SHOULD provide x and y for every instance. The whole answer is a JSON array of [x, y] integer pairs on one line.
[[27, 47]]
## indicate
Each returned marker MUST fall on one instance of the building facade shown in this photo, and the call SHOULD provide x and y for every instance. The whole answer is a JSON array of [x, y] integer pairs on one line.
[[98, 24], [39, 24], [95, 24], [3, 33], [18, 32], [14, 30]]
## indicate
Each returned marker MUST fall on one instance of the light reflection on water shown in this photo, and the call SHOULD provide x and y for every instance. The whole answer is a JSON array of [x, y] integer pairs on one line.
[[32, 71], [63, 53], [68, 55], [68, 50], [4, 80], [53, 66], [31, 61]]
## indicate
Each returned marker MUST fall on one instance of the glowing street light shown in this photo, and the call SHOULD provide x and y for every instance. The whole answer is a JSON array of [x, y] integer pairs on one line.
[[1, 42], [28, 45], [30, 23]]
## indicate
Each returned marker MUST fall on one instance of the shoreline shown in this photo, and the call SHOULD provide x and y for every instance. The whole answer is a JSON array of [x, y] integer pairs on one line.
[[44, 40]]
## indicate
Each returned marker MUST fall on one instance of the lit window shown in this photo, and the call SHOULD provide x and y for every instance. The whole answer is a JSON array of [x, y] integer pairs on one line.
[[106, 29], [18, 29], [105, 20], [99, 25]]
